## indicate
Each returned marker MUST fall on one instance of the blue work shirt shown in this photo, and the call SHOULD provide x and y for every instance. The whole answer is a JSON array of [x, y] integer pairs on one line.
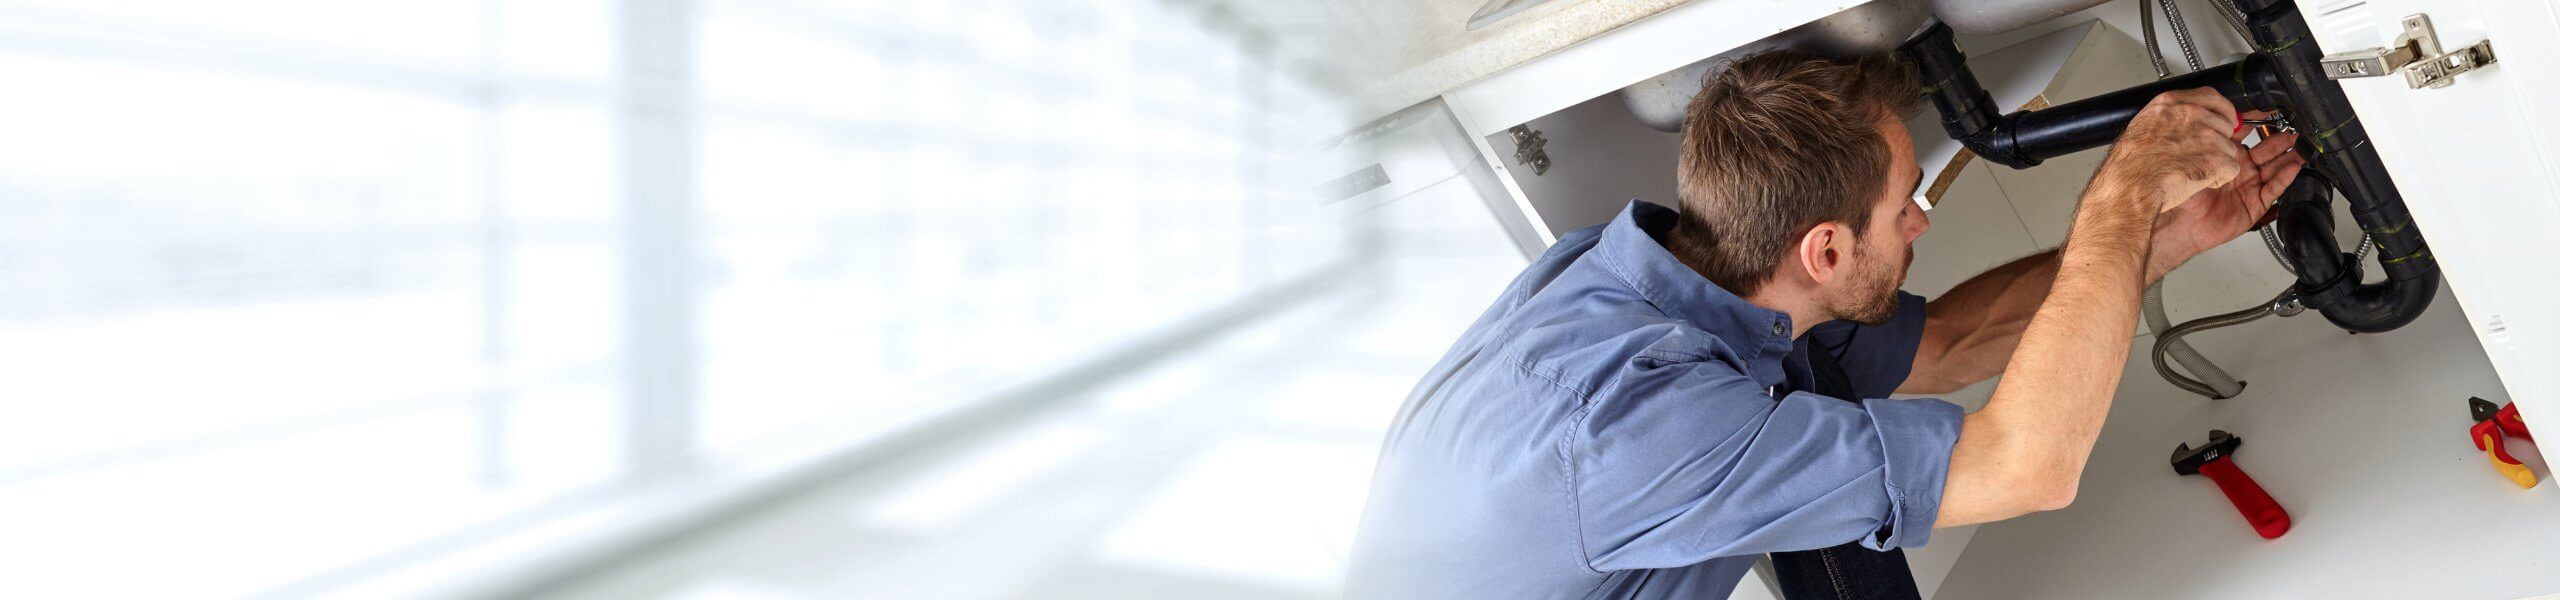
[[1616, 426]]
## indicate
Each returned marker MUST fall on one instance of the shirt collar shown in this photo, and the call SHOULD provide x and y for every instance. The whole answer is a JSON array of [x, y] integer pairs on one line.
[[1630, 248]]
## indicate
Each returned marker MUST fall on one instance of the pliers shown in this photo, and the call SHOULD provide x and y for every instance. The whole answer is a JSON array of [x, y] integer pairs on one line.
[[2491, 426], [2269, 126]]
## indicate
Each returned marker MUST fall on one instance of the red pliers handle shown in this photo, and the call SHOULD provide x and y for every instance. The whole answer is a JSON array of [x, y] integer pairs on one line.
[[2493, 425]]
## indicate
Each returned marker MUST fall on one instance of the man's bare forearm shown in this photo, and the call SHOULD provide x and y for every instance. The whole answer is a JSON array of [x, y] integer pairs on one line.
[[2024, 451], [1973, 328], [2037, 430]]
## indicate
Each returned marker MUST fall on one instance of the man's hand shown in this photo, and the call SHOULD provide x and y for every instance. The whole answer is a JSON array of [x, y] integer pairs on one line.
[[2025, 450], [2182, 143], [2218, 214], [1973, 328]]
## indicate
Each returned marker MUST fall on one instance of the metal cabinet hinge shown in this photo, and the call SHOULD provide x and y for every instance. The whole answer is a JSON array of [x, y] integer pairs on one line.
[[1529, 148], [2415, 53]]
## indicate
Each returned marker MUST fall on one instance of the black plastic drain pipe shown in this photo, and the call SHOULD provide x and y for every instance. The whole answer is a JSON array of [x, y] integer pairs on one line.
[[2338, 148], [2286, 77], [2026, 138]]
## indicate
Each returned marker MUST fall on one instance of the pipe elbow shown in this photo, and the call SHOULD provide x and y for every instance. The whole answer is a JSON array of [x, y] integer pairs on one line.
[[2384, 306], [2332, 281], [1999, 144], [1964, 108]]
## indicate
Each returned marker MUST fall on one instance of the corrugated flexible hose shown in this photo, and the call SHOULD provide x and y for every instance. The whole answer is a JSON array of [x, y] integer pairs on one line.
[[2210, 380], [2174, 337]]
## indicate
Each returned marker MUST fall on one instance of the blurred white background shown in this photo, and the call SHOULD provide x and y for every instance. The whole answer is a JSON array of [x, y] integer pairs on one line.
[[304, 297]]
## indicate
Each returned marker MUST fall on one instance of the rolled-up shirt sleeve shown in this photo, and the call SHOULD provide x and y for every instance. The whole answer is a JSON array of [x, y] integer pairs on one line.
[[1684, 461]]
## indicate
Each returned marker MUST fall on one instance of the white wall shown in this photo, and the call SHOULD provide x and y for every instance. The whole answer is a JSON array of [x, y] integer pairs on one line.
[[296, 293], [1601, 159]]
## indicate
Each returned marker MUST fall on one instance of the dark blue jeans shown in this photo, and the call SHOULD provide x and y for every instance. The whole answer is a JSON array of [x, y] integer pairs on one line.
[[1844, 572], [1847, 571]]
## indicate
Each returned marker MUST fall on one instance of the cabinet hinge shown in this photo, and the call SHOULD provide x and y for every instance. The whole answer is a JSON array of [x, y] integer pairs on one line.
[[2415, 54]]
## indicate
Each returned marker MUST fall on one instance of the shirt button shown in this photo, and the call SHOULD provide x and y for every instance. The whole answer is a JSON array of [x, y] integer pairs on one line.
[[1778, 328]]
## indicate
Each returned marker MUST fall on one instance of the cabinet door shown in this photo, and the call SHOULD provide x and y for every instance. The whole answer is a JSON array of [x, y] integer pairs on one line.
[[2479, 164]]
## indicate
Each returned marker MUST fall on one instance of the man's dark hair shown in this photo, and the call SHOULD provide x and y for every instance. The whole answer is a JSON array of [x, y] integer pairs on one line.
[[1777, 143]]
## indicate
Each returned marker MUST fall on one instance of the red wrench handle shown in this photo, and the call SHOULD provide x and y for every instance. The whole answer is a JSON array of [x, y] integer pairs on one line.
[[2260, 510]]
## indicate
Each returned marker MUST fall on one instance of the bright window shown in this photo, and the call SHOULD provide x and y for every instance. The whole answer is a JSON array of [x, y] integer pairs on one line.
[[293, 291]]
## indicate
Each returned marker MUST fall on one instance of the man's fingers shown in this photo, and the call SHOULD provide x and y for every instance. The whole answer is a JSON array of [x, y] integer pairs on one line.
[[2211, 101], [2218, 123], [2279, 175], [2269, 148], [2289, 158], [2186, 139], [2241, 133], [2238, 154], [2220, 105], [2212, 160], [2235, 159]]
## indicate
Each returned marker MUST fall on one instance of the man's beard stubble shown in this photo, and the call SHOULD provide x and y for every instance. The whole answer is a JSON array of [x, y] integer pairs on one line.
[[1872, 299]]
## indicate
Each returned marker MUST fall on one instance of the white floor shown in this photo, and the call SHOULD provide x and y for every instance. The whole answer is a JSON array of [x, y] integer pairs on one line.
[[2360, 437]]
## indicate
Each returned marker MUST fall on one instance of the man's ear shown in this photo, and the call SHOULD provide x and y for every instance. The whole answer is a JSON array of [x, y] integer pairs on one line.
[[1821, 250]]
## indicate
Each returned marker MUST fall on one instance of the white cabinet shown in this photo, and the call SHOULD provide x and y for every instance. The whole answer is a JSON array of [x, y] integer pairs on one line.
[[2361, 437]]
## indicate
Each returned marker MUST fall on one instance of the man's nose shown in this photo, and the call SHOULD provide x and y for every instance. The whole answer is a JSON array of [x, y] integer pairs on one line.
[[1915, 226]]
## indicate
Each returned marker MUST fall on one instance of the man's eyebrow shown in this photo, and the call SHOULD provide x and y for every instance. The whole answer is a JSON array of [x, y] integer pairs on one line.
[[1916, 176]]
